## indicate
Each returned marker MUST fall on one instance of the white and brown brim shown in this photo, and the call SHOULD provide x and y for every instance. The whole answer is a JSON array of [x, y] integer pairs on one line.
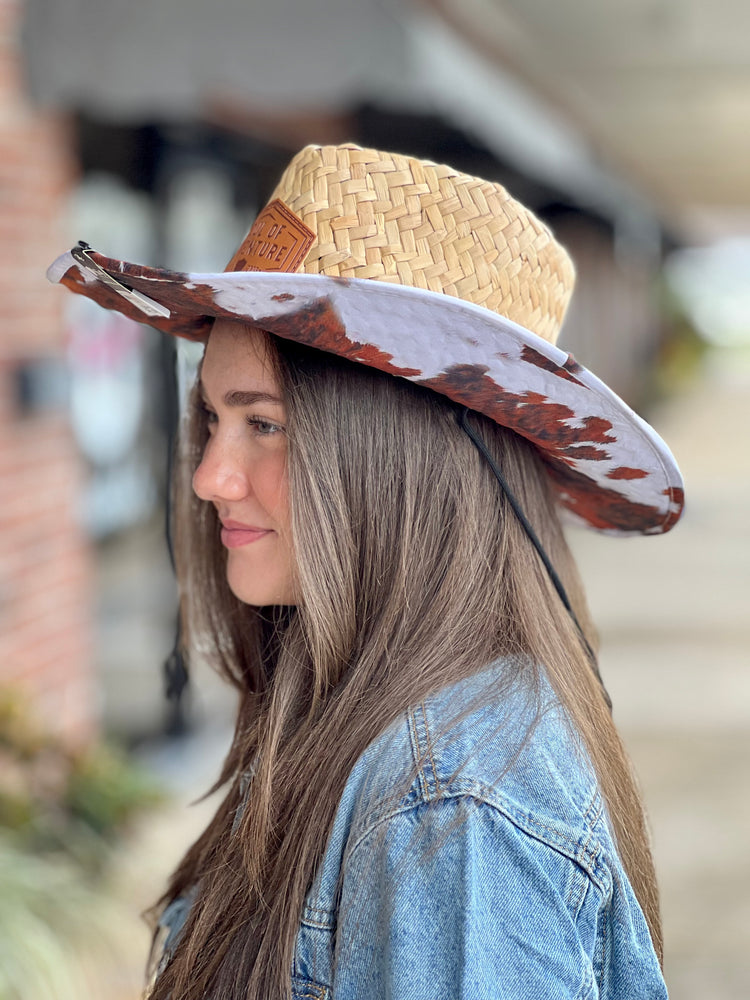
[[612, 471]]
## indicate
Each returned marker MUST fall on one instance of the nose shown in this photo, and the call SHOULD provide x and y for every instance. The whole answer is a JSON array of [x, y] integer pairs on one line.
[[220, 474]]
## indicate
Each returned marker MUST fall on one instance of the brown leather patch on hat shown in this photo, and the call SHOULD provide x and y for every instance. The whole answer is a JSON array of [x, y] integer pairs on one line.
[[277, 241]]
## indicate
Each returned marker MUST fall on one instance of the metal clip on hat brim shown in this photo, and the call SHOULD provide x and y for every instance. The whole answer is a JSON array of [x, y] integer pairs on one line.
[[148, 306]]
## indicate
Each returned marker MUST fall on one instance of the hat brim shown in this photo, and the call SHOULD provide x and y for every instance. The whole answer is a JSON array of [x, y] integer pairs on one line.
[[611, 470]]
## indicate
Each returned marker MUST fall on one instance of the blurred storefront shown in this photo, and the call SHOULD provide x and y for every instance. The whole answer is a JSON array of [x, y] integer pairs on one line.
[[178, 118], [155, 129], [198, 106]]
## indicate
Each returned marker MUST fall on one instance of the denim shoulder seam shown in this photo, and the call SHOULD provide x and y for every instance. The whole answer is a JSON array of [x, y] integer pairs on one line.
[[586, 852], [421, 746]]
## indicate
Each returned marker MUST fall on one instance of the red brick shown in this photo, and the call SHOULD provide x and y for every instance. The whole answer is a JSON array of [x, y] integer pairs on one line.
[[45, 562]]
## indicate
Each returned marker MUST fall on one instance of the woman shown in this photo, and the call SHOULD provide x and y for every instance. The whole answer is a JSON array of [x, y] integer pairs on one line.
[[426, 795]]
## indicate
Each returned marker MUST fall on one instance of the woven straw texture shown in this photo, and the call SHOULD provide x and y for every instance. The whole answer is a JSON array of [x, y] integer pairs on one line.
[[397, 219]]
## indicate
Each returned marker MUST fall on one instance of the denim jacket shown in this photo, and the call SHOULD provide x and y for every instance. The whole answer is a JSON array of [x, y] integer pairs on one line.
[[471, 859]]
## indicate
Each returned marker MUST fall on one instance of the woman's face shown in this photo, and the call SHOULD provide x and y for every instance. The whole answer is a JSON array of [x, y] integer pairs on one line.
[[243, 471]]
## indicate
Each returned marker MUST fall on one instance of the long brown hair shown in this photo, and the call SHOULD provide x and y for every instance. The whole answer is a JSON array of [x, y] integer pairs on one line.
[[413, 574]]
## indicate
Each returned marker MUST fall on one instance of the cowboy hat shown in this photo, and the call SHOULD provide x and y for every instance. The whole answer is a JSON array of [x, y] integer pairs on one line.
[[431, 275]]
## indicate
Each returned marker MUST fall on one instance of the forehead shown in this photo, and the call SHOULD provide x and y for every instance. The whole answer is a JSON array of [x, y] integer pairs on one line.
[[238, 354]]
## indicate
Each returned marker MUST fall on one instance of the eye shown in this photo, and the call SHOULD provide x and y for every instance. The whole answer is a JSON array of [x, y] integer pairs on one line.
[[262, 427]]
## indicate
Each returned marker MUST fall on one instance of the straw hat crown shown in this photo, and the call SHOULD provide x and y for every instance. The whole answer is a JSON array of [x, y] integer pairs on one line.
[[397, 219]]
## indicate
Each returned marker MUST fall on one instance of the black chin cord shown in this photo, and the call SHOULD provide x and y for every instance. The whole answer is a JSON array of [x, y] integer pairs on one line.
[[534, 539]]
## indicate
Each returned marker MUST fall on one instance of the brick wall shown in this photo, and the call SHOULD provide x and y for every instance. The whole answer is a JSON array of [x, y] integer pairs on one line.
[[45, 571]]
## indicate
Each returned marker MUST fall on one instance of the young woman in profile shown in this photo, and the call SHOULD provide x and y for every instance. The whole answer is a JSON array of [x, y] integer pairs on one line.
[[426, 796]]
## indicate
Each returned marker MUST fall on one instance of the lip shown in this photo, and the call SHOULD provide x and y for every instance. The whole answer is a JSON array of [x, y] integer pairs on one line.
[[234, 534]]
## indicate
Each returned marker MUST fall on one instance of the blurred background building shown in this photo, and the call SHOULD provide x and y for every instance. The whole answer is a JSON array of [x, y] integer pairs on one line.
[[156, 129]]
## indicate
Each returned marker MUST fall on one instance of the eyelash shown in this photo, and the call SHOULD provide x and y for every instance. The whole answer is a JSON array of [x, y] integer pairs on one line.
[[261, 426]]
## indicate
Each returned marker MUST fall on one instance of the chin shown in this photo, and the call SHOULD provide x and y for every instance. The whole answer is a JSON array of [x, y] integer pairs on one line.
[[262, 594], [263, 600]]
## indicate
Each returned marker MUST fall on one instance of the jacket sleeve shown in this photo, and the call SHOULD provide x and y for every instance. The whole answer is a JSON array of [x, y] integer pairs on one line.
[[449, 899]]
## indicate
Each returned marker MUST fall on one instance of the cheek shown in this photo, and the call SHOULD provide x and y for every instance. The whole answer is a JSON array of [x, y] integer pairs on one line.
[[272, 488]]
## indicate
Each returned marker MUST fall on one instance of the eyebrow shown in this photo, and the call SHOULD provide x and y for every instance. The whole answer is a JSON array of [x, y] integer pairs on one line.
[[242, 397]]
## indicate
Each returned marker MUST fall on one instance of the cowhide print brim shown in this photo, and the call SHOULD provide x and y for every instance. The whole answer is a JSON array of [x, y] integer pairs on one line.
[[611, 469]]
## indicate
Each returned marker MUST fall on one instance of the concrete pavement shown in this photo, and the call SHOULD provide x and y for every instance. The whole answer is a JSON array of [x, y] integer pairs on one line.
[[674, 617]]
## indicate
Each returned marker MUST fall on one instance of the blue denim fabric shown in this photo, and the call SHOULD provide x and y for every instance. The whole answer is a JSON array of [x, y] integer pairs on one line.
[[471, 858]]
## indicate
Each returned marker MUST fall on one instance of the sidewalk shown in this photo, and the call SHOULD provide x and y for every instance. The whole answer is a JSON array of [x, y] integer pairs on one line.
[[673, 617]]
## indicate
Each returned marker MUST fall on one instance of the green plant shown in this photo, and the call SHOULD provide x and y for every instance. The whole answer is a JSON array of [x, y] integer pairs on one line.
[[57, 798], [58, 932], [105, 789]]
